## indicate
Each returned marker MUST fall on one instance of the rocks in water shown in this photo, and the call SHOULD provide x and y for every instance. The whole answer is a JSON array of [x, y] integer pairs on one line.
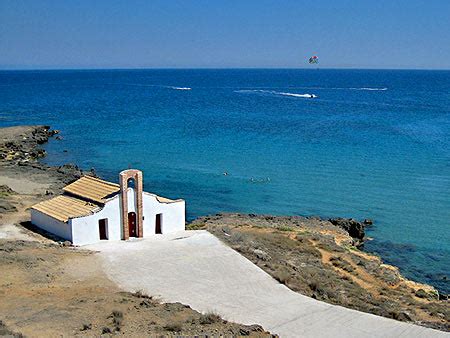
[[368, 221], [68, 169], [25, 148], [354, 228], [41, 134], [70, 172]]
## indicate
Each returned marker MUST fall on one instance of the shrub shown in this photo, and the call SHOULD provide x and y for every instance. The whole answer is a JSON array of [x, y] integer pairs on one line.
[[282, 275], [283, 228], [195, 226], [117, 317], [209, 318], [86, 327], [341, 264], [262, 255], [140, 294], [147, 300], [236, 238], [4, 331], [173, 327]]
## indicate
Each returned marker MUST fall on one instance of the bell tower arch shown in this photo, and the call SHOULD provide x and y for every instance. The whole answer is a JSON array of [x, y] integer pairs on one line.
[[124, 177]]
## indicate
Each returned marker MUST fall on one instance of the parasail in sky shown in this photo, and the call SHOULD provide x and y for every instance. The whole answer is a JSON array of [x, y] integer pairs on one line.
[[313, 59]]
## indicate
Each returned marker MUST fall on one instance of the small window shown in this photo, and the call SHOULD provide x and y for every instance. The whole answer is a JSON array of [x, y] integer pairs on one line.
[[103, 228]]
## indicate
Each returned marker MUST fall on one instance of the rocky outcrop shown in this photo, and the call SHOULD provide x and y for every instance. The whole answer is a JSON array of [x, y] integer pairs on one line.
[[20, 151], [24, 147], [354, 228]]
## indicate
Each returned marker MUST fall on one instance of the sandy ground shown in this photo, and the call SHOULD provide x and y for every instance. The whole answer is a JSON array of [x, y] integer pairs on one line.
[[51, 291], [196, 268], [24, 186]]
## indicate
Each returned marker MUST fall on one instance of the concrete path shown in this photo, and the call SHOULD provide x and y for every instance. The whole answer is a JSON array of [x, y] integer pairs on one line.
[[195, 268]]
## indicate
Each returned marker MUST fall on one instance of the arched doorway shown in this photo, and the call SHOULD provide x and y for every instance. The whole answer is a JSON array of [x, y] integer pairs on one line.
[[132, 222]]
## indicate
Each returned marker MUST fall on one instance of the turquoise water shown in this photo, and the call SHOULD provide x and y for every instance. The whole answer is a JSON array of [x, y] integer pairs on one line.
[[372, 144]]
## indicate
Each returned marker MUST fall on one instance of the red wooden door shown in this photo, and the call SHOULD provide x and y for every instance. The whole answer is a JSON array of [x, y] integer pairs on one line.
[[132, 224]]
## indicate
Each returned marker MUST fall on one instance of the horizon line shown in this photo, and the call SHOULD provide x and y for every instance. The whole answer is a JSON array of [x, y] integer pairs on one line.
[[213, 68]]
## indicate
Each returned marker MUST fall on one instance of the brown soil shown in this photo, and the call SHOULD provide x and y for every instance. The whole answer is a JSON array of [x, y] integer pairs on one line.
[[48, 289], [317, 259]]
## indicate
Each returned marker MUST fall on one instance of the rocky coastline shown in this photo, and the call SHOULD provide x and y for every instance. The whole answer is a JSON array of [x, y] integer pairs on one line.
[[317, 257], [20, 152]]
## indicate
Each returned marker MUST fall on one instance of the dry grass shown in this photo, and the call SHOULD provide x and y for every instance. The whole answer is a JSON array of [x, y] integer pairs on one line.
[[313, 264], [37, 285], [173, 327], [209, 318]]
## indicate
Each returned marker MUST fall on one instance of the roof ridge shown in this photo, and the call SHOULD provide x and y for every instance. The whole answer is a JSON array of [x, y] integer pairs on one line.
[[100, 180]]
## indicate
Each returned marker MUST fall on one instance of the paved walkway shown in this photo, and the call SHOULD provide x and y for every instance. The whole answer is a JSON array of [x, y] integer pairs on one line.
[[195, 268]]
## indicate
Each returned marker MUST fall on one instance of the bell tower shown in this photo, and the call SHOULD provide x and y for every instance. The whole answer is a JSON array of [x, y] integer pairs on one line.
[[124, 177]]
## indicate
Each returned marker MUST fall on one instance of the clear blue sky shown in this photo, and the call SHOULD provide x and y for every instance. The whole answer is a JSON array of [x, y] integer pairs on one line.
[[228, 33]]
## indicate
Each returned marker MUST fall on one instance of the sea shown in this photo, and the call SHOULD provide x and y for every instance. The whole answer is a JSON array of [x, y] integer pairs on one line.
[[312, 142]]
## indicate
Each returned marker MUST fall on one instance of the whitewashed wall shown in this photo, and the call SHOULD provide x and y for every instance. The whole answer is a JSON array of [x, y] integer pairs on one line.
[[173, 215], [51, 224], [86, 231]]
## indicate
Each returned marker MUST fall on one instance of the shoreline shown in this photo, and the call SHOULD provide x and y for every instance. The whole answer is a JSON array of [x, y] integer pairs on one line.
[[20, 156]]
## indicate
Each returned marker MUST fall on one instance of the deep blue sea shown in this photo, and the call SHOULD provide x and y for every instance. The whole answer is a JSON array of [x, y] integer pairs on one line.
[[371, 144]]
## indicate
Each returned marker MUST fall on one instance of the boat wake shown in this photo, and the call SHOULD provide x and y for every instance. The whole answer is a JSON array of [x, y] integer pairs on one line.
[[368, 88], [179, 88], [272, 92], [310, 96]]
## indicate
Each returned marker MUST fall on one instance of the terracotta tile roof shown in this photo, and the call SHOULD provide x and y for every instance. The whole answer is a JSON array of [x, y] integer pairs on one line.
[[64, 207], [92, 188]]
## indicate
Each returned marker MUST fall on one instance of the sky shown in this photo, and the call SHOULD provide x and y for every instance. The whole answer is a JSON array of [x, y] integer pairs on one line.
[[61, 34]]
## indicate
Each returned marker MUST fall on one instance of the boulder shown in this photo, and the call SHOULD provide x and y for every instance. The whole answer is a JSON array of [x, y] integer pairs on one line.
[[354, 228], [6, 206], [5, 190]]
